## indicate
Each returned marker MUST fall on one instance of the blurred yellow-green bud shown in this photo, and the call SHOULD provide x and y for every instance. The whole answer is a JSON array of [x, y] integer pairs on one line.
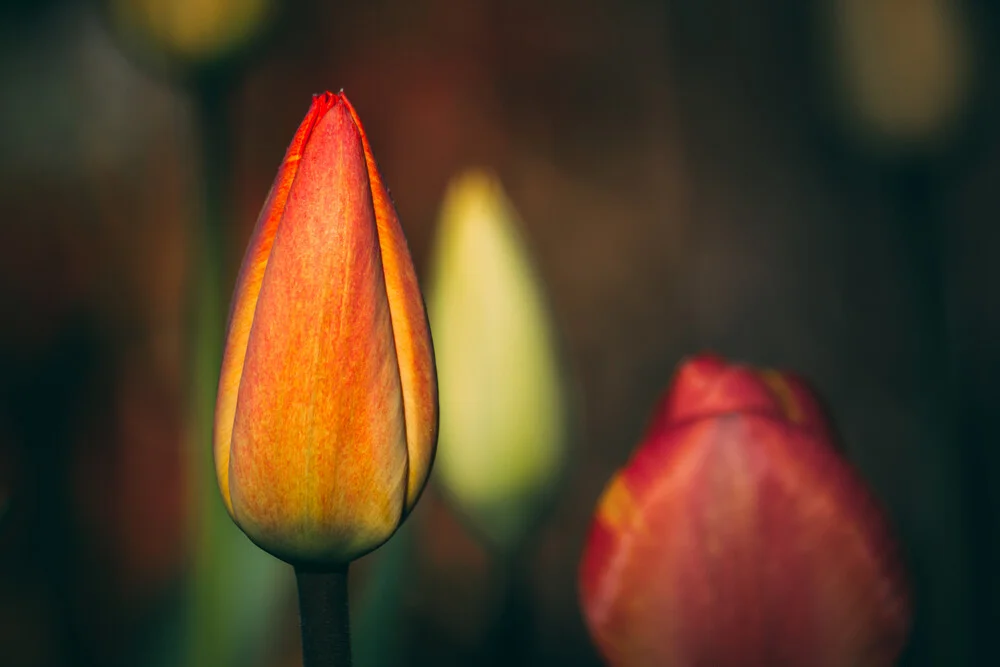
[[190, 33], [503, 430]]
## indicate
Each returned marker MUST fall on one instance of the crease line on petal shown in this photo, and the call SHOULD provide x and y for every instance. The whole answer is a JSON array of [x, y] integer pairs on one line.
[[411, 330]]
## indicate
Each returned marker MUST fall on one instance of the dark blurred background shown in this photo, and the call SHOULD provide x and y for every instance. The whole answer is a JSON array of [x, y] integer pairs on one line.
[[795, 183]]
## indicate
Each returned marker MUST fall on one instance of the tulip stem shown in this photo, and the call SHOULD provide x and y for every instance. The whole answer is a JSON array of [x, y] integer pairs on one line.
[[511, 637], [323, 614]]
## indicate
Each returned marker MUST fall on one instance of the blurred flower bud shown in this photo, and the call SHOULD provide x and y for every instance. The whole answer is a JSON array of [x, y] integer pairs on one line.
[[326, 419], [189, 32], [503, 404], [737, 535], [904, 68]]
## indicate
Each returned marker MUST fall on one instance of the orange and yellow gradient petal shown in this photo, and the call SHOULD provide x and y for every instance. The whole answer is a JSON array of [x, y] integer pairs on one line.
[[315, 405], [414, 349], [248, 282]]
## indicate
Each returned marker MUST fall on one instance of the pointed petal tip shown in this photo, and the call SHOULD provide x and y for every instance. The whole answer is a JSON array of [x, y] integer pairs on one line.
[[323, 102], [474, 186], [690, 393], [706, 385], [341, 98], [321, 105], [476, 199]]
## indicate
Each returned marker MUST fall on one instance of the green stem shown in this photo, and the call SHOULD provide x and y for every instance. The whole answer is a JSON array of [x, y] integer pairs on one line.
[[378, 611], [511, 635], [920, 196], [323, 614], [209, 637]]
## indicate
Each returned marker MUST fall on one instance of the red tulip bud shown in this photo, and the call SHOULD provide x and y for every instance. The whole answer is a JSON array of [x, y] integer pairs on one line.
[[738, 536]]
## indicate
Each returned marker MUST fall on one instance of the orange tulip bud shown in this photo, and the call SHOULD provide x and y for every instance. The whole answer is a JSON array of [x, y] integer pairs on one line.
[[326, 420], [737, 536]]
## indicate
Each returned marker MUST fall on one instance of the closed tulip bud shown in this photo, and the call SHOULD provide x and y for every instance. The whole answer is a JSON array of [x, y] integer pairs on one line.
[[737, 536], [504, 408], [326, 419]]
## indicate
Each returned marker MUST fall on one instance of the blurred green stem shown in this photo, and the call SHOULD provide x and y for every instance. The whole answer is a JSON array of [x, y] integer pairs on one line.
[[207, 620], [947, 629], [511, 636], [323, 613], [235, 588], [378, 618]]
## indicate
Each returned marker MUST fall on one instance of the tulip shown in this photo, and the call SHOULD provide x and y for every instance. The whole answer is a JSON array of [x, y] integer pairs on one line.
[[738, 536], [504, 410], [326, 418]]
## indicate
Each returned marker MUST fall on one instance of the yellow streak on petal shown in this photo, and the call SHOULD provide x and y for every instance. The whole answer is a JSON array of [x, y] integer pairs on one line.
[[786, 397], [617, 507]]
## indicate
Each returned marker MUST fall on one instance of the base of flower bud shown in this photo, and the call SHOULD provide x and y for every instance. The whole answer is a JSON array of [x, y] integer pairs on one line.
[[324, 617]]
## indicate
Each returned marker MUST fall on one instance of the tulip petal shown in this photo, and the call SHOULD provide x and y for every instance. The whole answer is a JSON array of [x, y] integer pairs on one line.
[[799, 404], [742, 540], [414, 348], [248, 283], [707, 386], [318, 466]]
